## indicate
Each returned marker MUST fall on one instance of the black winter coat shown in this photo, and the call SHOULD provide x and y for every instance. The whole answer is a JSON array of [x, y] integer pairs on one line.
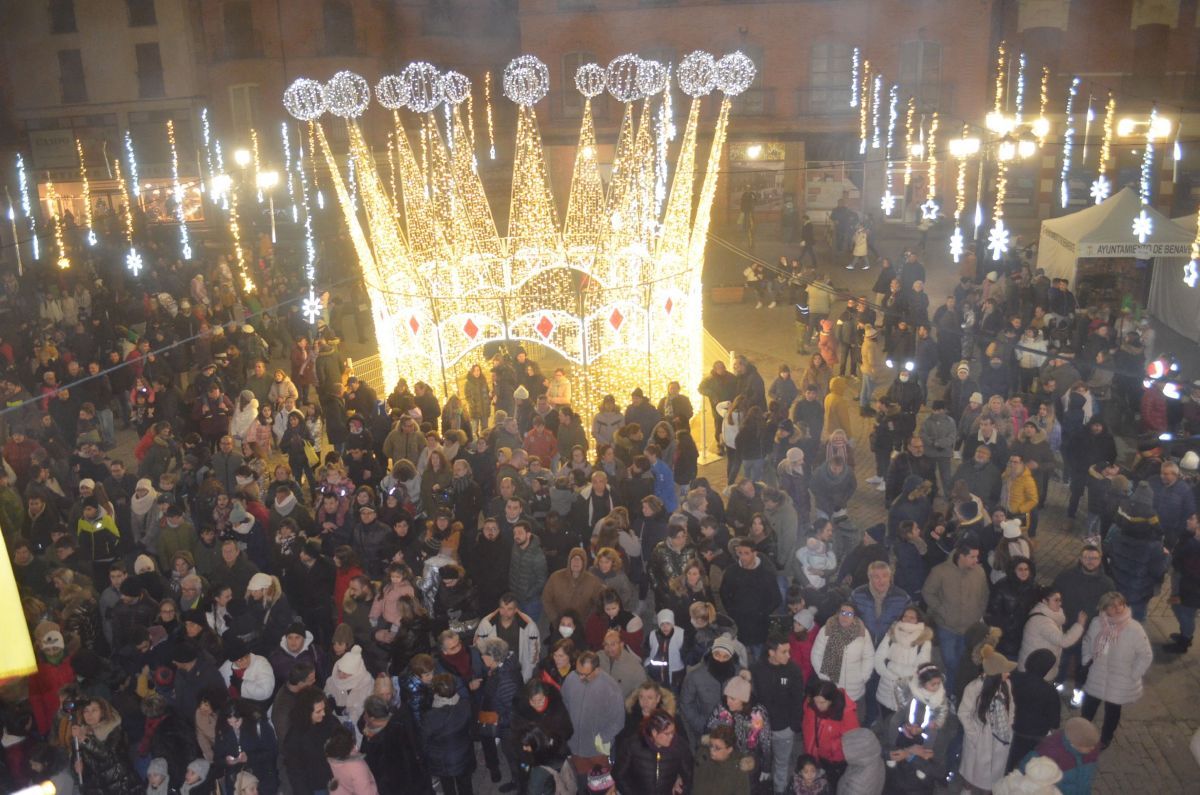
[[304, 753], [500, 690], [392, 754], [652, 771], [257, 740], [553, 721], [106, 766], [446, 737], [1008, 608]]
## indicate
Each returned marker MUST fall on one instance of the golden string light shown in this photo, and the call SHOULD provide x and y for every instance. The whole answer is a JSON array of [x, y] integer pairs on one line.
[[87, 194], [487, 101], [239, 254], [391, 158], [471, 118], [312, 168], [960, 184], [257, 161], [185, 243], [1041, 128], [56, 220], [443, 281], [931, 155], [864, 110], [910, 139], [1001, 66], [1102, 187]]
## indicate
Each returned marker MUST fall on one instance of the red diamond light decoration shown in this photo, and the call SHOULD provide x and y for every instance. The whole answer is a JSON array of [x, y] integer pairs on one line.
[[414, 324], [470, 329], [544, 327], [616, 319], [669, 305]]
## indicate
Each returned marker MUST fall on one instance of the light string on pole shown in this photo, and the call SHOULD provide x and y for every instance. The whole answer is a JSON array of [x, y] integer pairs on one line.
[[206, 133], [888, 202], [931, 209], [1087, 127], [257, 162], [86, 190], [1042, 126], [56, 219], [135, 186], [876, 107], [487, 102], [312, 165], [961, 149], [1191, 271], [27, 206], [133, 260], [864, 109], [1101, 188], [855, 67], [185, 245], [1019, 104], [1068, 143], [1143, 222], [311, 307], [285, 134], [909, 139]]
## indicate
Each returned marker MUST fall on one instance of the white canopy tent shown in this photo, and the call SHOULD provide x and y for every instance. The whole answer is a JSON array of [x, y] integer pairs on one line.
[[1106, 231], [1171, 300]]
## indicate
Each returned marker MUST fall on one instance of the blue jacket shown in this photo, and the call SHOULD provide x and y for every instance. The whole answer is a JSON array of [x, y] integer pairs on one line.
[[664, 485], [1173, 504], [878, 624], [1134, 548], [911, 569]]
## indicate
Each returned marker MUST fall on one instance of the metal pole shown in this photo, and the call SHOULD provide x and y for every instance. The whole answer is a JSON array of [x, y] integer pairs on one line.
[[271, 208]]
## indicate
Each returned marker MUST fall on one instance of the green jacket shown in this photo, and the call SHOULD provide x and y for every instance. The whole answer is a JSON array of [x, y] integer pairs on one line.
[[527, 571], [173, 539], [720, 778], [12, 512]]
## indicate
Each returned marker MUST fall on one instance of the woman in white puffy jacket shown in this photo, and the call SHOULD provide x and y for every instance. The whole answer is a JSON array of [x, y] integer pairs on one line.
[[906, 647], [1044, 630], [843, 652]]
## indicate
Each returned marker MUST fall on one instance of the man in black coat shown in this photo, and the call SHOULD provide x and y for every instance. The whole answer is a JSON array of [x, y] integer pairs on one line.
[[389, 743], [195, 673], [910, 462], [779, 687], [312, 595], [750, 593]]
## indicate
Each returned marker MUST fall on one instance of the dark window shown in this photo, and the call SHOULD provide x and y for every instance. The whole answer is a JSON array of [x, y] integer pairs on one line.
[[70, 75], [62, 16], [141, 13], [756, 100], [339, 28], [921, 73], [829, 78], [150, 71], [238, 23]]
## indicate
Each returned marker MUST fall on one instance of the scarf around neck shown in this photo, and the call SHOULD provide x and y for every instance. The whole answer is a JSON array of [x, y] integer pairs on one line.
[[140, 506], [1111, 629], [837, 638]]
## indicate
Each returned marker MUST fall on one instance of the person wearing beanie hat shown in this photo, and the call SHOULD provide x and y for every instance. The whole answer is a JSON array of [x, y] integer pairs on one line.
[[703, 684], [751, 724], [54, 671], [1190, 462], [196, 779], [350, 684], [987, 714], [1075, 750], [158, 780], [143, 564], [295, 647], [1135, 550], [600, 781]]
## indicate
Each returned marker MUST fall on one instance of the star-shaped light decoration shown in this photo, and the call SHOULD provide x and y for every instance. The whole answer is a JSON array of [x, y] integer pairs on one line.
[[888, 202], [1101, 188], [1143, 226], [133, 261], [930, 210], [1191, 273], [311, 308], [956, 244], [998, 240]]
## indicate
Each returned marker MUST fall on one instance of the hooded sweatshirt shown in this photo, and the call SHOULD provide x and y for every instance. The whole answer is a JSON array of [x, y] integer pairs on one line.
[[865, 772]]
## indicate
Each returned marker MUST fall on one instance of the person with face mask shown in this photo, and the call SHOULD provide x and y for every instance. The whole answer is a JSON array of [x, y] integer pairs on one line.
[[572, 588]]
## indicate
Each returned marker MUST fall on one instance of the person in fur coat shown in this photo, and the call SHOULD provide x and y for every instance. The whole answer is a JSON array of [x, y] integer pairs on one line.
[[843, 652], [903, 650]]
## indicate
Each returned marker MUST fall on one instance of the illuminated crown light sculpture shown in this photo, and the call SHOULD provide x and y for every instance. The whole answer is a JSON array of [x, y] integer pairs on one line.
[[615, 290]]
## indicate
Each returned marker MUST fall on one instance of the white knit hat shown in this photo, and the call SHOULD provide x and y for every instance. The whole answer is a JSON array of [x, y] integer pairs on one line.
[[1011, 528], [350, 663]]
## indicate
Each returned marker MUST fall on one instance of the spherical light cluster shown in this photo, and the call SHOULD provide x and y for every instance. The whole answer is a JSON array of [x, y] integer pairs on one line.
[[347, 95], [652, 77], [425, 87], [735, 73], [526, 80], [697, 74], [621, 78], [304, 99], [392, 92], [589, 80], [456, 87]]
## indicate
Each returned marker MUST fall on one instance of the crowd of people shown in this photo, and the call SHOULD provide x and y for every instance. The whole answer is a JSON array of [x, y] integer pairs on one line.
[[297, 584]]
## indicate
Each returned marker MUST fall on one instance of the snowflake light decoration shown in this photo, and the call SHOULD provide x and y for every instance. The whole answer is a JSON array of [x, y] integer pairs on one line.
[[311, 308], [1101, 189], [133, 261], [956, 244], [930, 210], [1191, 273], [1143, 226], [888, 202], [998, 240]]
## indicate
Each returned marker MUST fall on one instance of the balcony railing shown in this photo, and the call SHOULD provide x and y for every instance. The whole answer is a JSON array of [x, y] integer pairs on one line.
[[755, 102]]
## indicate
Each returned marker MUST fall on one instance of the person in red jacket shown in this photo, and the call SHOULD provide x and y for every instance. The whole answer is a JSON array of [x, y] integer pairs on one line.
[[1154, 410], [828, 714], [53, 672], [801, 640]]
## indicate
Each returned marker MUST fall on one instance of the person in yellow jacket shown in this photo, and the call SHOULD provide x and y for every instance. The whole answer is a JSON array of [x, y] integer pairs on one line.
[[837, 408], [98, 537], [870, 368], [1019, 491]]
